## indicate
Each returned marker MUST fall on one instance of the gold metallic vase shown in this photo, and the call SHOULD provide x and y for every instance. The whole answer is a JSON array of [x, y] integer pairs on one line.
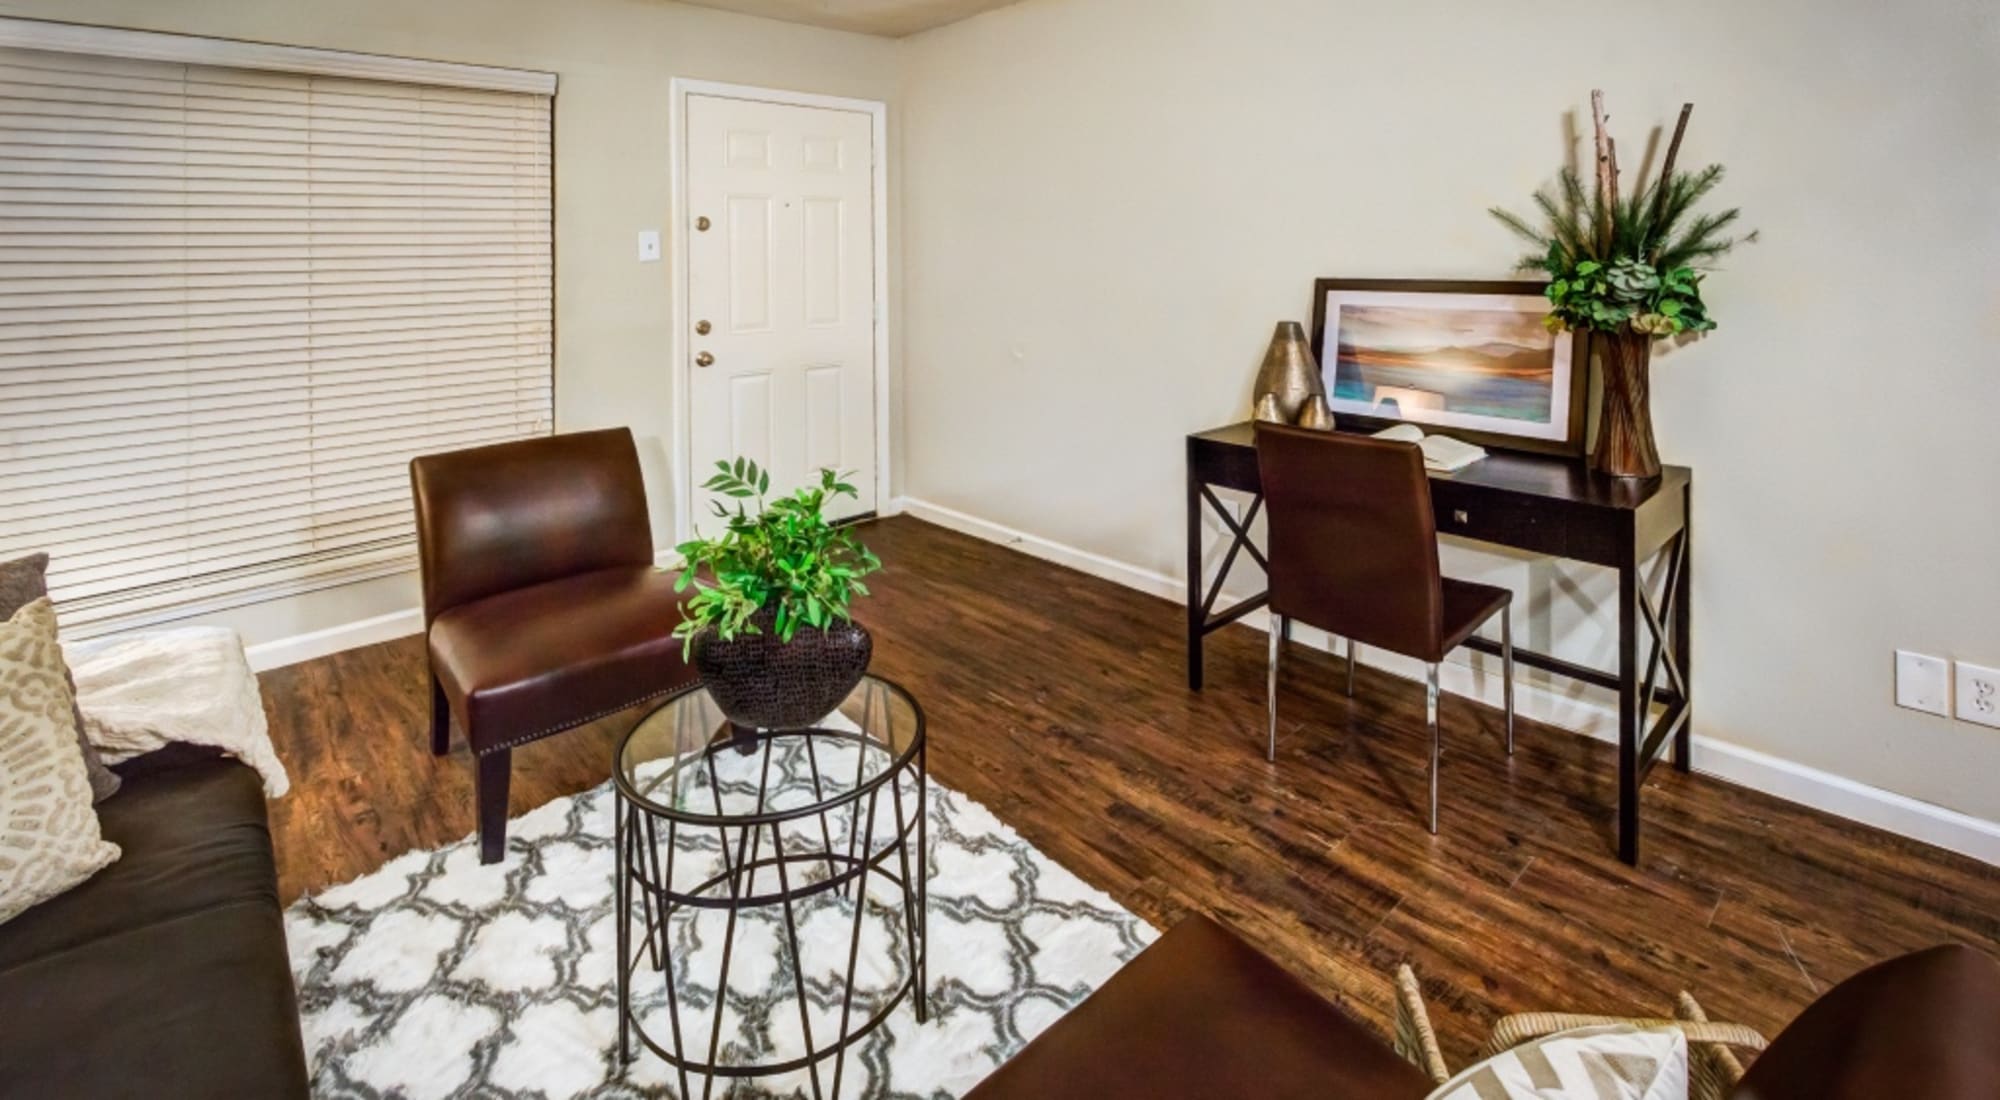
[[1317, 414], [1289, 376]]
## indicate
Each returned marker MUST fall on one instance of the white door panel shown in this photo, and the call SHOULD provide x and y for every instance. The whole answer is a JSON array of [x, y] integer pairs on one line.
[[784, 278]]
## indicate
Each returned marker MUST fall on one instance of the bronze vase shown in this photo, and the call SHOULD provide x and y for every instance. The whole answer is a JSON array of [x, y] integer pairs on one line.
[[1289, 377], [1625, 445]]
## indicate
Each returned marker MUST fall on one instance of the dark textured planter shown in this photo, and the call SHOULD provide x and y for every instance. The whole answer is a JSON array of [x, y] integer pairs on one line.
[[763, 683]]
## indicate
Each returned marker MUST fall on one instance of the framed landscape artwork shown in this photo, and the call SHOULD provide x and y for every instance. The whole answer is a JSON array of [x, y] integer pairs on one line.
[[1472, 360]]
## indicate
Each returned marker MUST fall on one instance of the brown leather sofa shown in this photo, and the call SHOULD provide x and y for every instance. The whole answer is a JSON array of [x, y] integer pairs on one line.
[[166, 974], [543, 608], [1201, 1014]]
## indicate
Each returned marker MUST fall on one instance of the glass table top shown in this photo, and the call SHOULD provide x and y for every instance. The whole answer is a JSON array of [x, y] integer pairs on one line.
[[685, 761]]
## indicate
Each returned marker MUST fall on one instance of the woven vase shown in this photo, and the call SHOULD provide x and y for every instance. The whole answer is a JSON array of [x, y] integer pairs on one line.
[[759, 682], [1625, 446]]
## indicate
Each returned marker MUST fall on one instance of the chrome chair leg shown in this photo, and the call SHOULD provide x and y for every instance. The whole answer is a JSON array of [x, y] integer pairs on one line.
[[1271, 686], [1437, 741], [1350, 668], [1507, 668]]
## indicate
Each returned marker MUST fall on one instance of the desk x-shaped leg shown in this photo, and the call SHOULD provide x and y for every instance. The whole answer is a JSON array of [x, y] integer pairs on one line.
[[1640, 737], [1202, 616]]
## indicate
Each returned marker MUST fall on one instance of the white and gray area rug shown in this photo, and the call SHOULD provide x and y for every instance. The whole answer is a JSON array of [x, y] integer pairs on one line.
[[438, 977]]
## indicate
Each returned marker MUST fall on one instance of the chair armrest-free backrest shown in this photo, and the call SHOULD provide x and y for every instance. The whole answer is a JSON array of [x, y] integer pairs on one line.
[[1353, 543], [513, 515]]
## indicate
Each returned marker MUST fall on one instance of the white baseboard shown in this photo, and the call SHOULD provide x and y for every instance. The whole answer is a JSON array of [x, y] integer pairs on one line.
[[1844, 797], [1476, 676], [1083, 561], [280, 652]]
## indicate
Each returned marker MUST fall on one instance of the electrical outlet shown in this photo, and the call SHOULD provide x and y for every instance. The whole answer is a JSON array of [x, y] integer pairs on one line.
[[649, 246], [1978, 694], [1922, 683]]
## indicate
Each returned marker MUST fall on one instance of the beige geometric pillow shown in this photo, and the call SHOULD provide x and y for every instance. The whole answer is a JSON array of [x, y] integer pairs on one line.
[[1606, 1062], [22, 582], [49, 838]]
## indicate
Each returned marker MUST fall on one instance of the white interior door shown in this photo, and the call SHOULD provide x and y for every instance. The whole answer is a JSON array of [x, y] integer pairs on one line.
[[781, 294]]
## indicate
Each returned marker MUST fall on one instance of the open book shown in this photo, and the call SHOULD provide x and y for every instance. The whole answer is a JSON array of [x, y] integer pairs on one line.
[[1442, 454]]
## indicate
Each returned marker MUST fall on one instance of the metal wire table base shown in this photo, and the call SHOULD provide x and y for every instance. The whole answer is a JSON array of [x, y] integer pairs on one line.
[[645, 881]]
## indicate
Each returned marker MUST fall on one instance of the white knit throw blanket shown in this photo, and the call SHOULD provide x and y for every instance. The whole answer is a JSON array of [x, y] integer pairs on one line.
[[138, 692]]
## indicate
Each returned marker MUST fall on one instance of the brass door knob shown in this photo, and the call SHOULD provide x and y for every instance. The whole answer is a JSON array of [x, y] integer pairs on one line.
[[701, 224], [704, 360], [701, 328]]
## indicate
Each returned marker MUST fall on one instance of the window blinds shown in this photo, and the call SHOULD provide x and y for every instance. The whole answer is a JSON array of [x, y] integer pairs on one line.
[[234, 304]]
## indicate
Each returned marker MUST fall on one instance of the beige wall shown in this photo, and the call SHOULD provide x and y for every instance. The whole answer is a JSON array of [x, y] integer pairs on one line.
[[614, 59], [1109, 202]]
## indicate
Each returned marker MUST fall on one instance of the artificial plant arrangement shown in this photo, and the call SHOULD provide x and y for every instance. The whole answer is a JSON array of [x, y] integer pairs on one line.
[[1626, 266], [770, 627]]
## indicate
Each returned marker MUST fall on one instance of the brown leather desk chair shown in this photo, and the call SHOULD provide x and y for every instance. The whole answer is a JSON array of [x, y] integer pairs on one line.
[[1353, 551], [541, 601]]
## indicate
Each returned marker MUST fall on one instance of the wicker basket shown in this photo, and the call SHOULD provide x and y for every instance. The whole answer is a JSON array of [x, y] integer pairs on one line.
[[1713, 1070]]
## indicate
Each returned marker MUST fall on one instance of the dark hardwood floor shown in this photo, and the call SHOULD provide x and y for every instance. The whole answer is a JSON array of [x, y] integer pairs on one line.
[[1059, 701]]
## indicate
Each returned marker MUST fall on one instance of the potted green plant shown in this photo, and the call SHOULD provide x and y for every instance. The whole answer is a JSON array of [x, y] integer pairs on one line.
[[769, 627], [1627, 269]]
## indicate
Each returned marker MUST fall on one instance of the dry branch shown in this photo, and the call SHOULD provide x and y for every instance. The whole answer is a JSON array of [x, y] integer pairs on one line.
[[1667, 167], [1611, 149], [1604, 179]]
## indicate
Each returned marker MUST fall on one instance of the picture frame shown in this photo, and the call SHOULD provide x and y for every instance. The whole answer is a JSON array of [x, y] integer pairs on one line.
[[1470, 359]]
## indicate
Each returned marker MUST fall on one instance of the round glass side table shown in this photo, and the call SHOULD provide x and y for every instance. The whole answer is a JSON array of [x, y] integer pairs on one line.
[[737, 845]]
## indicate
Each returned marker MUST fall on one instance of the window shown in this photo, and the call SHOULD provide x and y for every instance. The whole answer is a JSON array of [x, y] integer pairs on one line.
[[234, 303]]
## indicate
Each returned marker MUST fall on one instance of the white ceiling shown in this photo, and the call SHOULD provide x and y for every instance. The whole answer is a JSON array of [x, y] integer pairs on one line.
[[891, 18]]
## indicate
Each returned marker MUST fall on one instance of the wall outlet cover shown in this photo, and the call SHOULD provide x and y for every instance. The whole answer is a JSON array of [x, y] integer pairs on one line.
[[1978, 694], [1923, 683], [649, 246]]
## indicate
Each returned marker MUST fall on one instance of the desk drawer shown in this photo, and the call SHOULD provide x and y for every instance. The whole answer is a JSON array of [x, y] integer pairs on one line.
[[1523, 523]]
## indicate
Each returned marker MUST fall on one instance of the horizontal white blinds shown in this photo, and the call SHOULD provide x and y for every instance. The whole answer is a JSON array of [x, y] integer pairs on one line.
[[235, 304]]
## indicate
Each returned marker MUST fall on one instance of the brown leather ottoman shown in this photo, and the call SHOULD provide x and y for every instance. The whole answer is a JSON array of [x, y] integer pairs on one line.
[[1202, 1014]]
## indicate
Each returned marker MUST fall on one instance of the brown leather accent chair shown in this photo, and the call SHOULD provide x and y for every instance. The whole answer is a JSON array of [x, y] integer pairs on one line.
[[1353, 551], [542, 605]]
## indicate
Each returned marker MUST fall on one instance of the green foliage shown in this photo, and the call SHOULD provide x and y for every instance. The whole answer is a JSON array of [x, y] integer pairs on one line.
[[784, 555], [1626, 263]]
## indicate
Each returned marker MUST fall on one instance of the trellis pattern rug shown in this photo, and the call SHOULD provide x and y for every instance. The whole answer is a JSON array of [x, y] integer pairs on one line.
[[438, 977]]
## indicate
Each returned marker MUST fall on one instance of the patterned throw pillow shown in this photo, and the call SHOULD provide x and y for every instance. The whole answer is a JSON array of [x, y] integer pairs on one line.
[[1613, 1062], [22, 582], [49, 839]]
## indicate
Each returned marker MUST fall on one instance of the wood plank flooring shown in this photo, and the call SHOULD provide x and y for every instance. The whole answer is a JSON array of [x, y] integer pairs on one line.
[[1058, 700]]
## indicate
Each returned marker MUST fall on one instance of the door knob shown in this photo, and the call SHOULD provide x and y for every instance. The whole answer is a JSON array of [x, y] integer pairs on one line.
[[704, 360], [701, 225], [701, 328]]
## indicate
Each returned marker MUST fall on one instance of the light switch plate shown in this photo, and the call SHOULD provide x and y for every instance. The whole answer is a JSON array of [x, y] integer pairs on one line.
[[1978, 693], [1922, 683], [649, 246]]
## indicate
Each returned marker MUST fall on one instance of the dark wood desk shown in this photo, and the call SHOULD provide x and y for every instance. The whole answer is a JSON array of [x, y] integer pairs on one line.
[[1544, 505]]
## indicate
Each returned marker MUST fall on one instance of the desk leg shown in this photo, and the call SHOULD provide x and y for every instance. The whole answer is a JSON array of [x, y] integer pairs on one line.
[[1683, 627], [1195, 614], [1629, 727]]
